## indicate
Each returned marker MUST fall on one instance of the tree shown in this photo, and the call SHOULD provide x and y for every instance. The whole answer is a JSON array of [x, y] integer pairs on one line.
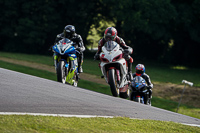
[[186, 33], [31, 26], [26, 25], [144, 24]]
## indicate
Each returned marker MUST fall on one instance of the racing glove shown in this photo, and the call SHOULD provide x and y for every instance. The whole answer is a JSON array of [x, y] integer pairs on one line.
[[79, 49], [51, 48], [126, 51], [96, 57], [149, 87]]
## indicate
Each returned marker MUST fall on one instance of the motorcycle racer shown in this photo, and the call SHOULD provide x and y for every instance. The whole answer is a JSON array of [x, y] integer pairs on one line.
[[110, 34], [140, 71], [69, 32]]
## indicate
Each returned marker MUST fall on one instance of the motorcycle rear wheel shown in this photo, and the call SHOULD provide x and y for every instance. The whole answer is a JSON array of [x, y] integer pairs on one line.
[[137, 99], [131, 96], [113, 83]]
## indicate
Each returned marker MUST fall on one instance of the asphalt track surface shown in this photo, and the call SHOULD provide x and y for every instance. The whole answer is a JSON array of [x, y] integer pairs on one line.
[[30, 94]]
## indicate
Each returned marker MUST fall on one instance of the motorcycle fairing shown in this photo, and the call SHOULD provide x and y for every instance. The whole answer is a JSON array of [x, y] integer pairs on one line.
[[73, 60], [138, 82], [64, 46], [112, 57], [72, 56], [69, 78]]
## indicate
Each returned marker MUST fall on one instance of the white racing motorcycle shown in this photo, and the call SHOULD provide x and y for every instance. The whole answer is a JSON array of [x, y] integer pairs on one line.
[[114, 68]]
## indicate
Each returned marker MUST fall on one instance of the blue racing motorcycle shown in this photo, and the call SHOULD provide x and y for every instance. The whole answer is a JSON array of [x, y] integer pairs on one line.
[[65, 61], [139, 92]]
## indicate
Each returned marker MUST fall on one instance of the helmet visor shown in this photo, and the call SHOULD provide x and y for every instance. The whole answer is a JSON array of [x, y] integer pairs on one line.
[[67, 34], [109, 38], [139, 71]]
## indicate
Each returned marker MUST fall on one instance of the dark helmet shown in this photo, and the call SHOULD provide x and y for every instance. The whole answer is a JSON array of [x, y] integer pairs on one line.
[[69, 31], [140, 69], [110, 34]]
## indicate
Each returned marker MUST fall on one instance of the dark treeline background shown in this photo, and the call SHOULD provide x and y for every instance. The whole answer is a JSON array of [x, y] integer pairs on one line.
[[167, 31]]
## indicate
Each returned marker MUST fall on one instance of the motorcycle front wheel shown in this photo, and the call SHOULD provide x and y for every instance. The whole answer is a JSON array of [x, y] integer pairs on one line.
[[113, 83], [61, 72]]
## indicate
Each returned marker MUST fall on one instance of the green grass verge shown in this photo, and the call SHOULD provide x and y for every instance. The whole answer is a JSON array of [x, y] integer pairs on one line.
[[170, 74], [28, 70], [34, 124], [157, 72], [47, 60], [156, 102]]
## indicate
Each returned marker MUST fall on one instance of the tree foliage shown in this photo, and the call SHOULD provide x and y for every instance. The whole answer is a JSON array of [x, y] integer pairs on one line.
[[163, 30]]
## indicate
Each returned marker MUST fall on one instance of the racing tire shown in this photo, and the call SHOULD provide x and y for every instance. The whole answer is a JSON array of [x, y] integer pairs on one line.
[[131, 96], [137, 99], [123, 95], [112, 83], [61, 72]]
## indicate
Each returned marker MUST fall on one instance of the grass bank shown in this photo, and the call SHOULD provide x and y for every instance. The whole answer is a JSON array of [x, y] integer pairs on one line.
[[32, 124], [158, 72]]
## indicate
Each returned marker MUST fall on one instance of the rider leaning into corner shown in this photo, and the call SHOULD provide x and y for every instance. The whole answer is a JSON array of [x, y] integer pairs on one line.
[[110, 34], [140, 71], [69, 32]]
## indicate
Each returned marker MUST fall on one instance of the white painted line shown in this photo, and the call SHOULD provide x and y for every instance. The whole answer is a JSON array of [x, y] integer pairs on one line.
[[194, 125], [65, 115], [61, 115]]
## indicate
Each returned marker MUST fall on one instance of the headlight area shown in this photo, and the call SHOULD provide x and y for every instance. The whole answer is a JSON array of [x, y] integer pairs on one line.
[[117, 58]]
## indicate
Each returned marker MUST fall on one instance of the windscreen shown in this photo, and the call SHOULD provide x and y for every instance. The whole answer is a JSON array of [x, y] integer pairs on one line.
[[138, 81], [65, 41], [110, 45]]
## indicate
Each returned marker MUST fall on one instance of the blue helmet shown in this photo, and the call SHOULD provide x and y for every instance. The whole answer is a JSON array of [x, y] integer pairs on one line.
[[140, 69]]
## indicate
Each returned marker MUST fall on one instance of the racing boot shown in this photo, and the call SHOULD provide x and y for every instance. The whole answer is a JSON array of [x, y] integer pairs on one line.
[[80, 62], [150, 93], [55, 58], [77, 76], [130, 75], [150, 96], [80, 69]]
